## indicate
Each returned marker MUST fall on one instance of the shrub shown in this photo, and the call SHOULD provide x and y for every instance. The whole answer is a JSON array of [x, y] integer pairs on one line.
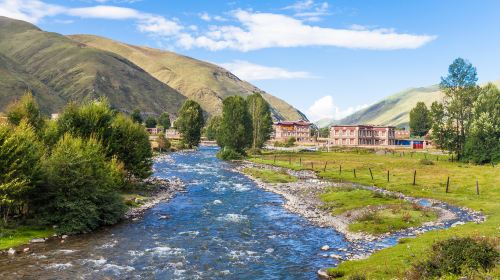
[[456, 256], [334, 273], [356, 277], [426, 162], [229, 154]]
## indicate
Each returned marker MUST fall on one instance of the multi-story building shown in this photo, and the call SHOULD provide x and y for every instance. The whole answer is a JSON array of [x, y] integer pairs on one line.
[[300, 130], [362, 135]]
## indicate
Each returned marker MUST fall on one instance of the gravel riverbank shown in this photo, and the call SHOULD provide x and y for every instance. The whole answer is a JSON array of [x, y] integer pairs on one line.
[[302, 197]]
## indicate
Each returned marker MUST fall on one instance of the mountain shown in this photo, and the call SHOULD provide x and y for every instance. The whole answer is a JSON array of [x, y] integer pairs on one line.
[[58, 70], [393, 110], [206, 83]]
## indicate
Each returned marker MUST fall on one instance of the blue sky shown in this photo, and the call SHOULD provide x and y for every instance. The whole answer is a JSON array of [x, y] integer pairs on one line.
[[327, 58]]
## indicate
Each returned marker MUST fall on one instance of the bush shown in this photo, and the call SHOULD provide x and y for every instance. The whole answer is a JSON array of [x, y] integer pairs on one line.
[[426, 162], [356, 277], [456, 256], [334, 273], [229, 154]]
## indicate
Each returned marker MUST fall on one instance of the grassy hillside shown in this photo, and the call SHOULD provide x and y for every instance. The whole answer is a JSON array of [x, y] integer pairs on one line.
[[203, 82], [59, 69]]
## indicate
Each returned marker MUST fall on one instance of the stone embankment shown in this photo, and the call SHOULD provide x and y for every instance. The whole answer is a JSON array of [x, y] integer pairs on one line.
[[302, 197]]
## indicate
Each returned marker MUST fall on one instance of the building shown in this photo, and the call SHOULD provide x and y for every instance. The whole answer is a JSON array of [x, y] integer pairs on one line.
[[172, 134], [402, 134], [154, 130], [362, 135], [300, 130]]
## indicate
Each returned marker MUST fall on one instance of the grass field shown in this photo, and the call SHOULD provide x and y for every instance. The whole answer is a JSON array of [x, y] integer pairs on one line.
[[430, 182], [21, 235], [269, 176]]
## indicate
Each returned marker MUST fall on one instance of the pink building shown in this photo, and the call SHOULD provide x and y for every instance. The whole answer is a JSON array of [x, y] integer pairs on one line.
[[300, 130], [362, 135]]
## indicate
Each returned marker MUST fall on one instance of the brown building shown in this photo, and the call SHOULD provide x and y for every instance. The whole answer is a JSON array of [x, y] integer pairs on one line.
[[362, 135], [300, 130]]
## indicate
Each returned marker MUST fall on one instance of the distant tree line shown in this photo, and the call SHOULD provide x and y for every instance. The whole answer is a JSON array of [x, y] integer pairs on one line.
[[69, 172], [467, 122]]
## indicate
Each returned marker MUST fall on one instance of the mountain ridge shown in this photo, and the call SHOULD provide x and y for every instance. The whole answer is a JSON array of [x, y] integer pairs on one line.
[[199, 80]]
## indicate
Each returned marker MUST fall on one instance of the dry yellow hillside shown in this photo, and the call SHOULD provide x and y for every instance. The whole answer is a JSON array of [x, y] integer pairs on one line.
[[203, 82]]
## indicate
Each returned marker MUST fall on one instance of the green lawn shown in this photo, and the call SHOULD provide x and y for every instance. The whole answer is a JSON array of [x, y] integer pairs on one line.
[[394, 218], [12, 237], [430, 182], [269, 176], [340, 200]]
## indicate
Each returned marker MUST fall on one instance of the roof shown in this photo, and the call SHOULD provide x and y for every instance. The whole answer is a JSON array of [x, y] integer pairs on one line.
[[301, 123], [364, 125]]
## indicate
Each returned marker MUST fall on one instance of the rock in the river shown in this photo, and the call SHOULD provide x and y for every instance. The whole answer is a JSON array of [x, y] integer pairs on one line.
[[37, 240], [11, 251], [325, 248], [26, 249], [64, 236], [335, 256], [323, 273]]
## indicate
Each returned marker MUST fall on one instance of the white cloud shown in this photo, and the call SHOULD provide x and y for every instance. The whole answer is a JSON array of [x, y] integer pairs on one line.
[[31, 11], [253, 72], [309, 10], [105, 12], [267, 30], [205, 16], [326, 108]]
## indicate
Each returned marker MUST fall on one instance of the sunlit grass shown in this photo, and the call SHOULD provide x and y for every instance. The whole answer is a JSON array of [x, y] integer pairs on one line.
[[270, 176], [12, 237]]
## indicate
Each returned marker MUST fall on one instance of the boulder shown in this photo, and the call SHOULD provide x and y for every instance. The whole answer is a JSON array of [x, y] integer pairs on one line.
[[11, 251], [325, 248], [26, 249], [37, 240]]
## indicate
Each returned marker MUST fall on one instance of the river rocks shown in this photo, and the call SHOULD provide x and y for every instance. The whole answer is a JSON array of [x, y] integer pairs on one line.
[[11, 251], [37, 240], [323, 273], [64, 236], [25, 250], [325, 248]]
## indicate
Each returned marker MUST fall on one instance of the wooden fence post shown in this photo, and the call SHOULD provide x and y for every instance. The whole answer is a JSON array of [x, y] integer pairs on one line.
[[447, 184], [371, 174], [275, 159], [312, 165], [290, 160], [477, 187], [340, 170], [324, 169], [354, 171], [300, 161], [387, 176], [414, 177]]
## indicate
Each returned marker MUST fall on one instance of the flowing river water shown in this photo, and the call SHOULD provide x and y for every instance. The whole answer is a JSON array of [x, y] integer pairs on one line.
[[223, 227]]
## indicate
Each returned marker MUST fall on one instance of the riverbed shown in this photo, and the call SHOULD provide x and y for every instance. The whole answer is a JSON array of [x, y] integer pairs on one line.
[[222, 227]]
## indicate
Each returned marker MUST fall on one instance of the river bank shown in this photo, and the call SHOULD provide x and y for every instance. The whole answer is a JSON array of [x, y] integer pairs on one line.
[[302, 197]]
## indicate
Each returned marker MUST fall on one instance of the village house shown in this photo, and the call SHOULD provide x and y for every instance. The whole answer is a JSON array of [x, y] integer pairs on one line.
[[172, 134], [300, 130], [362, 135]]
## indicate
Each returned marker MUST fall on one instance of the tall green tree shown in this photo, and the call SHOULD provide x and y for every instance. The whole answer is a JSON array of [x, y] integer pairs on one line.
[[20, 154], [235, 131], [164, 120], [461, 91], [262, 122], [129, 142], [212, 127], [79, 188], [26, 108], [136, 116], [483, 141], [420, 119], [150, 122], [190, 123]]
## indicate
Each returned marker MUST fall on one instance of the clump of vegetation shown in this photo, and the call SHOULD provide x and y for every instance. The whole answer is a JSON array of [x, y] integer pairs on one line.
[[426, 162], [356, 277], [335, 273], [190, 123], [456, 256], [392, 218], [340, 200], [69, 172], [227, 153], [270, 176]]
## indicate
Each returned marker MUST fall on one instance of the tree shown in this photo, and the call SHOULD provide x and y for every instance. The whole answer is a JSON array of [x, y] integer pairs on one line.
[[324, 132], [26, 108], [212, 127], [262, 122], [483, 141], [235, 131], [20, 154], [420, 121], [129, 142], [461, 91], [136, 116], [150, 122], [164, 120], [190, 123], [80, 186], [163, 143]]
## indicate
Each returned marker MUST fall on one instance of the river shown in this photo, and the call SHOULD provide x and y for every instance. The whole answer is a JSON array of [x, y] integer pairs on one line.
[[223, 227]]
